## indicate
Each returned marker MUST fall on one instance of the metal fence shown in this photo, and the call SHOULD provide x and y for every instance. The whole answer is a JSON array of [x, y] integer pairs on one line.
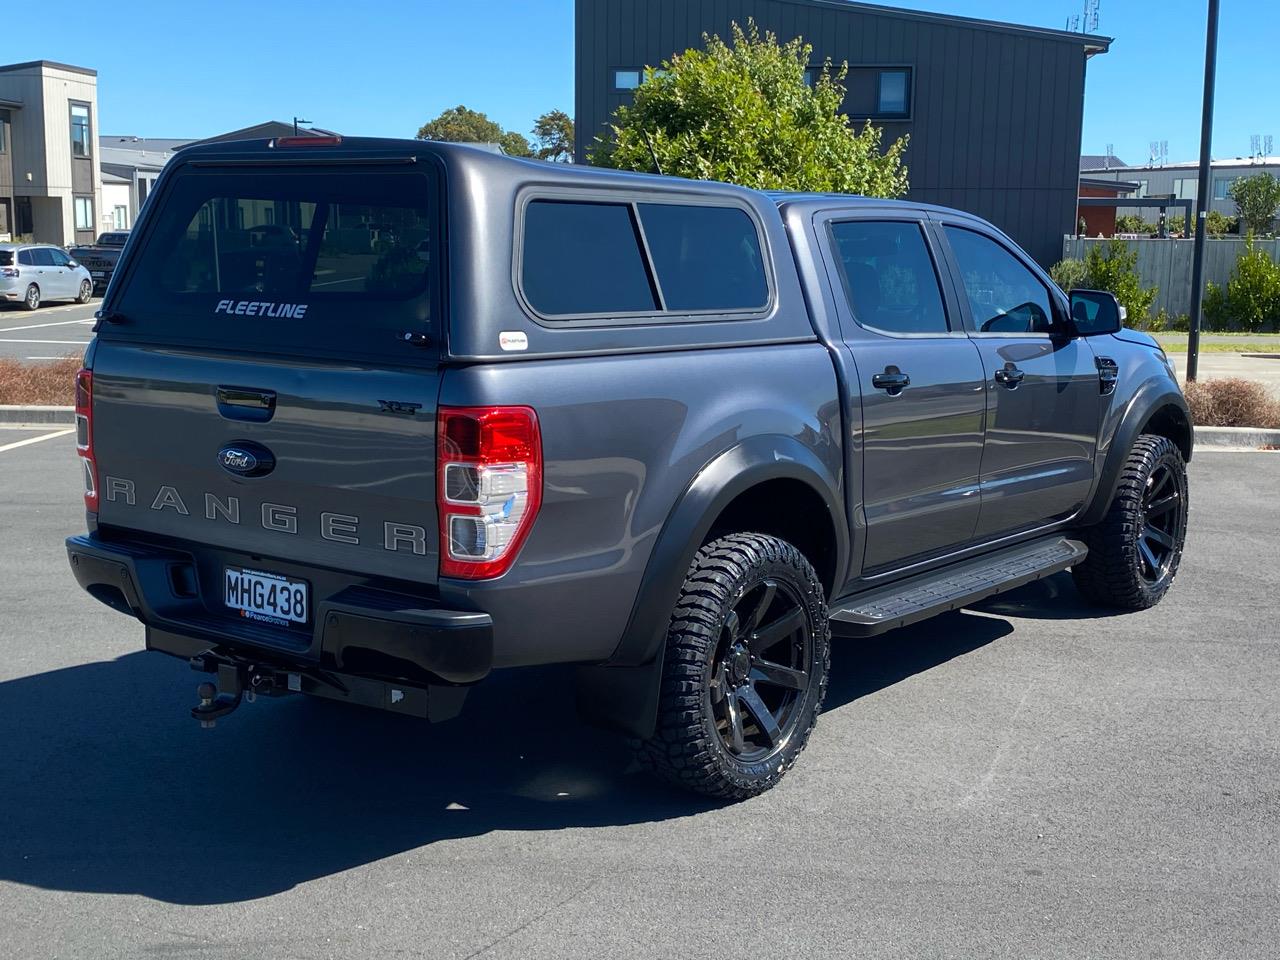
[[1166, 264]]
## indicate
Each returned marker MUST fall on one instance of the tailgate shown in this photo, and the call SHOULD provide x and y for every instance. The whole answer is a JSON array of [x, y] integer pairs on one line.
[[266, 380], [344, 457]]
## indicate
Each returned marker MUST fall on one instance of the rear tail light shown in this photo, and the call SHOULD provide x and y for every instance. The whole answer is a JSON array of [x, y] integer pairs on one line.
[[9, 272], [489, 468], [84, 437]]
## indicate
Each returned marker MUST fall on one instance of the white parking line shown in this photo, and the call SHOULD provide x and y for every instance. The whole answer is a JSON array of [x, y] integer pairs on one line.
[[37, 326], [46, 436], [74, 343]]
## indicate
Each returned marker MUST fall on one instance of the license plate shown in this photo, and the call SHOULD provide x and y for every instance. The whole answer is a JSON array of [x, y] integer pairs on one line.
[[99, 274], [265, 597]]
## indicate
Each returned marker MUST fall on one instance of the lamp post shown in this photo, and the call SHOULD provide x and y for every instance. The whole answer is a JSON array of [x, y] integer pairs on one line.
[[1202, 193], [298, 120]]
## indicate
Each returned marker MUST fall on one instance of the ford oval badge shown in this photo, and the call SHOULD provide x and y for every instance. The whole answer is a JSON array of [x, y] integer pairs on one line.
[[245, 458]]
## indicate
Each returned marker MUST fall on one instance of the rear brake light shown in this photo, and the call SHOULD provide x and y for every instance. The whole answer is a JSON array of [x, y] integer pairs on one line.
[[332, 141], [84, 437], [8, 271], [489, 469]]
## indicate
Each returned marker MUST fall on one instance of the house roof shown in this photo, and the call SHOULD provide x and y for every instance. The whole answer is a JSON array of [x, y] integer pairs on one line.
[[1262, 163], [1118, 185], [109, 177], [1100, 161], [50, 64], [1092, 43], [265, 131]]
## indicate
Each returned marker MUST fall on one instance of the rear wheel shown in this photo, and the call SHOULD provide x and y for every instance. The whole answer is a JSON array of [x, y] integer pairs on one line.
[[745, 670], [32, 300], [1135, 551], [86, 291]]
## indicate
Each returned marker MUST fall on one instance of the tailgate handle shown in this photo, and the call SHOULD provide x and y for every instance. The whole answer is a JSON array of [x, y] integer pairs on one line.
[[246, 403]]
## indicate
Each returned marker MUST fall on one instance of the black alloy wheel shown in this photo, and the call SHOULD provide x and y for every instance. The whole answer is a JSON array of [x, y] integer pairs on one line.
[[744, 670], [760, 672]]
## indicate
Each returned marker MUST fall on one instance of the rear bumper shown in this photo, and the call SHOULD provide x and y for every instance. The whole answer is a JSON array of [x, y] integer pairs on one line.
[[358, 631]]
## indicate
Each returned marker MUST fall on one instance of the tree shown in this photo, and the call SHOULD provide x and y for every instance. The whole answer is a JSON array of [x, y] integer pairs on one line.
[[1116, 271], [553, 137], [742, 112], [463, 125], [1257, 199]]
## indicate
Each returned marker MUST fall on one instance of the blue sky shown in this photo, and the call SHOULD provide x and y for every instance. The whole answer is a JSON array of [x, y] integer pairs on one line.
[[383, 67]]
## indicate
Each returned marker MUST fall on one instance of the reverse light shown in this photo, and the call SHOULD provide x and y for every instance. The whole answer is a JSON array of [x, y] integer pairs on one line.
[[84, 437], [489, 470]]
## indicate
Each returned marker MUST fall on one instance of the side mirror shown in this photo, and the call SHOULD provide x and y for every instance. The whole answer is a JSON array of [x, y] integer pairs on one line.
[[72, 264], [1096, 312]]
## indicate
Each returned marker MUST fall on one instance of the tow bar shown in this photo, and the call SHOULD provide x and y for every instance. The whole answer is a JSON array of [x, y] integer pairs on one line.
[[240, 680]]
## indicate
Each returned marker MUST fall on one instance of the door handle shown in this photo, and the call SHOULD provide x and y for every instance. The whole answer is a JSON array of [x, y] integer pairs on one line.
[[242, 403], [893, 381], [1009, 376]]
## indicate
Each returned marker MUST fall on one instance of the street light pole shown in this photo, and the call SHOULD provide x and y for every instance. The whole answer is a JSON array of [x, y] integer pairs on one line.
[[1202, 193], [297, 121]]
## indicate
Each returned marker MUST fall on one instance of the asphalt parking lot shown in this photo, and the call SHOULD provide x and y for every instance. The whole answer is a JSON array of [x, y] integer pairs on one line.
[[1029, 779], [45, 334]]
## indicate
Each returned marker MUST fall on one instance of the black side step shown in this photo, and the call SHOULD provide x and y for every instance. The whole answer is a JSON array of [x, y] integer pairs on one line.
[[907, 601]]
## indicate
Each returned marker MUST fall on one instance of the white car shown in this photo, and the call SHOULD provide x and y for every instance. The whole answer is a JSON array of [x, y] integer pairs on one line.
[[31, 273]]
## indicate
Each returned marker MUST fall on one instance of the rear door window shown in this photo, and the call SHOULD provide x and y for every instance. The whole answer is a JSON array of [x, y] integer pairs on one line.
[[597, 259], [292, 260], [889, 277]]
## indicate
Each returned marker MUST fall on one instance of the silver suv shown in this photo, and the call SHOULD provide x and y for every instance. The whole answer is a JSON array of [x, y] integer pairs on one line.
[[33, 273]]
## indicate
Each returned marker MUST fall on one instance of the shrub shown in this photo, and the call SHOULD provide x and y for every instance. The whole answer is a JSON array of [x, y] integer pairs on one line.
[[1219, 224], [1117, 271], [1251, 300], [1132, 223], [1232, 402], [1166, 322], [1257, 199], [43, 383], [1068, 274]]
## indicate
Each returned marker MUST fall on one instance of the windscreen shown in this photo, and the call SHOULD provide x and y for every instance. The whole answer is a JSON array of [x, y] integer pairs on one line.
[[330, 260]]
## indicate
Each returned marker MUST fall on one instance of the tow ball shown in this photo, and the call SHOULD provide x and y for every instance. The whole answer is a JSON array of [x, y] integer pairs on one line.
[[237, 681]]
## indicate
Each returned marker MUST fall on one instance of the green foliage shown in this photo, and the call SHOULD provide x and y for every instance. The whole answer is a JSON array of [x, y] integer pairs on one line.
[[1116, 270], [1132, 223], [1257, 198], [1251, 300], [553, 137], [1218, 224], [463, 125], [741, 112], [1069, 274], [1165, 322]]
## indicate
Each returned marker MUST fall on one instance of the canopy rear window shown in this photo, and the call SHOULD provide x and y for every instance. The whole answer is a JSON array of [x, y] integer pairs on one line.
[[312, 260]]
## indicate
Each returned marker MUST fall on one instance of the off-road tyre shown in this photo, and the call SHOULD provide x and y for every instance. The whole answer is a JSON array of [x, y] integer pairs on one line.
[[694, 744], [1152, 495]]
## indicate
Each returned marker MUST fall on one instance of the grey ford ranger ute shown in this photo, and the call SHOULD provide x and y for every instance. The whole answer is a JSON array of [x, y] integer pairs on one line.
[[369, 419]]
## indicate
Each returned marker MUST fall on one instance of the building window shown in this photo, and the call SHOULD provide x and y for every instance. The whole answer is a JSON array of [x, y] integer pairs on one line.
[[4, 135], [142, 192], [120, 217], [84, 213], [627, 79], [1222, 187], [1184, 188], [79, 130], [894, 97]]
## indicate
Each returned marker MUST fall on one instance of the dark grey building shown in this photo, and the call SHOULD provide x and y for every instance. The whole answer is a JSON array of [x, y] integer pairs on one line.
[[994, 110]]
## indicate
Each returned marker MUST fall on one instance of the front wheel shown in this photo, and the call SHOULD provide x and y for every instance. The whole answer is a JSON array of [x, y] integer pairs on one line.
[[86, 291], [1135, 550], [745, 668]]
